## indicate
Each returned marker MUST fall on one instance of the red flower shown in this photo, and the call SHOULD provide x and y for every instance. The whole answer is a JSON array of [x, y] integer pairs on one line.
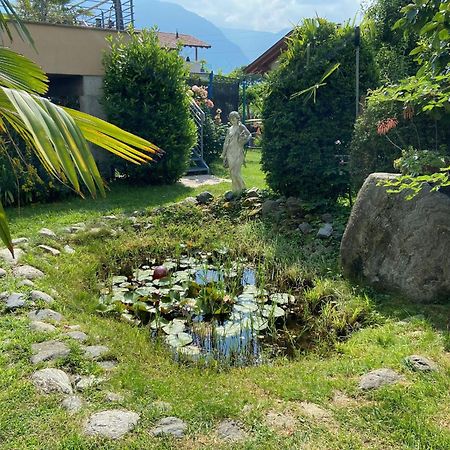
[[384, 126]]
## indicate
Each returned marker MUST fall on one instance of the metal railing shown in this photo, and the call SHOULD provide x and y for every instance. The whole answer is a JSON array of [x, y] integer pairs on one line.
[[198, 164]]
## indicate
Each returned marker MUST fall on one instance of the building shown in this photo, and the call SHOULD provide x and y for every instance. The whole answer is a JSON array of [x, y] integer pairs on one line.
[[269, 59]]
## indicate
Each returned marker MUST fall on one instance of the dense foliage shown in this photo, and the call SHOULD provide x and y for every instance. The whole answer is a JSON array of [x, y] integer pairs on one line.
[[419, 103], [24, 179], [145, 92], [304, 140], [214, 130], [48, 11], [392, 46], [372, 151]]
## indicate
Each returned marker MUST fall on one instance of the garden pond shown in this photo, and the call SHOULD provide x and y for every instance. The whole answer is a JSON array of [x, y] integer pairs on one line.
[[204, 308]]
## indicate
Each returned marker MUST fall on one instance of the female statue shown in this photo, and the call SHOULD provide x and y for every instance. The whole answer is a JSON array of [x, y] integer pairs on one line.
[[233, 150]]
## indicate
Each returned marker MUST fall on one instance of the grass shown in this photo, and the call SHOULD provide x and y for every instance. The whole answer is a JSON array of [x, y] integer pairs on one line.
[[411, 415]]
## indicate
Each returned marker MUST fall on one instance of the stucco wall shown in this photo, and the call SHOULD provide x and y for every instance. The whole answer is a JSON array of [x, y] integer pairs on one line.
[[64, 49]]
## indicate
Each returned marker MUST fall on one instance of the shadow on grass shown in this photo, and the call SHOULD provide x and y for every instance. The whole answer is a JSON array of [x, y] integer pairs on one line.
[[120, 197]]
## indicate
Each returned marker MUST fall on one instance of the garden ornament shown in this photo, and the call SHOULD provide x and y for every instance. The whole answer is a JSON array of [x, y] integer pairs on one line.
[[233, 150]]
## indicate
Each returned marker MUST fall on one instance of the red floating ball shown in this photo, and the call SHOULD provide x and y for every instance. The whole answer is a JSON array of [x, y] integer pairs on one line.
[[160, 272]]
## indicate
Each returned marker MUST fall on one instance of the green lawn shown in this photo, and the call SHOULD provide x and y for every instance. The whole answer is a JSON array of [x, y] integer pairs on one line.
[[413, 414]]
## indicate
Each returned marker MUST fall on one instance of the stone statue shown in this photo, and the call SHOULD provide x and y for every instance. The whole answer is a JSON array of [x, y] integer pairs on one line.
[[233, 150]]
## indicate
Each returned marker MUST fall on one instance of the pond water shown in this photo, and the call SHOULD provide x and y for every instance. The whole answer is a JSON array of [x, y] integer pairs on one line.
[[202, 311]]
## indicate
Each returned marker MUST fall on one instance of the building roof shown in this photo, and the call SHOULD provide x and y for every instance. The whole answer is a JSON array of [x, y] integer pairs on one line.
[[172, 40], [264, 63]]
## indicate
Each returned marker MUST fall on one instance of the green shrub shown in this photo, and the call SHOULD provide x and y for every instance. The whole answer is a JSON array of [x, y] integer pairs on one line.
[[23, 179], [303, 139], [145, 92], [372, 152], [213, 139]]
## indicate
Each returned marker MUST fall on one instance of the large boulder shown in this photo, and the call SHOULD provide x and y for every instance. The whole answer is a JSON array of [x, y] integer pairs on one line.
[[399, 245]]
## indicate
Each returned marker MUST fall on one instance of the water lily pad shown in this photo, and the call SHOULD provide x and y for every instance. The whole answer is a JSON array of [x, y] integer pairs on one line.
[[175, 327], [178, 340], [146, 291], [143, 275], [170, 265], [255, 323], [246, 308], [273, 311], [158, 323], [141, 306], [119, 279], [229, 329], [282, 299]]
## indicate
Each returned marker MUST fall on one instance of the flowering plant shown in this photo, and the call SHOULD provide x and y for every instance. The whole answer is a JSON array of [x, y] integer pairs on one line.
[[200, 96]]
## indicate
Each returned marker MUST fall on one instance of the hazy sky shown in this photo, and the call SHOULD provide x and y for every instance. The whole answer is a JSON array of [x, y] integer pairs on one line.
[[268, 15]]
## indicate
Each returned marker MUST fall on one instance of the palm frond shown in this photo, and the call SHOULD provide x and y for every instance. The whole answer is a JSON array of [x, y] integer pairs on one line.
[[9, 16], [18, 72]]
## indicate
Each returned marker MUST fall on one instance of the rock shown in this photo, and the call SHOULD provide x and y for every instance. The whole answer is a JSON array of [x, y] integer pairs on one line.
[[19, 241], [44, 315], [72, 327], [294, 206], [326, 231], [83, 383], [77, 335], [95, 351], [3, 273], [189, 201], [28, 272], [378, 378], [420, 363], [204, 198], [327, 217], [232, 431], [269, 208], [110, 217], [47, 249], [315, 411], [45, 232], [169, 426], [162, 406], [399, 245], [5, 254], [69, 250], [15, 301], [25, 283], [112, 424], [72, 404], [4, 295], [48, 381], [48, 351], [108, 365], [228, 196], [305, 228], [284, 423], [252, 193], [39, 295], [42, 327], [113, 397]]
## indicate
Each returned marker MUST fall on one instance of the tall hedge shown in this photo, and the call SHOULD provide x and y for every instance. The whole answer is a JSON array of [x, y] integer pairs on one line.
[[303, 138], [145, 92]]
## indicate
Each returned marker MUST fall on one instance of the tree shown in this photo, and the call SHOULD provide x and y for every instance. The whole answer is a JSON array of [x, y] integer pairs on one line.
[[48, 11], [392, 47], [59, 136], [146, 91]]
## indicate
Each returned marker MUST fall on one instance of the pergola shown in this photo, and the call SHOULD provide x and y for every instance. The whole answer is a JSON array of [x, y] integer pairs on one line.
[[113, 14]]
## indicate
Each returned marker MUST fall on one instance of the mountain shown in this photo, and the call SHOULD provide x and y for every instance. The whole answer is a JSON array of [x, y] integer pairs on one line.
[[223, 55], [253, 43]]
